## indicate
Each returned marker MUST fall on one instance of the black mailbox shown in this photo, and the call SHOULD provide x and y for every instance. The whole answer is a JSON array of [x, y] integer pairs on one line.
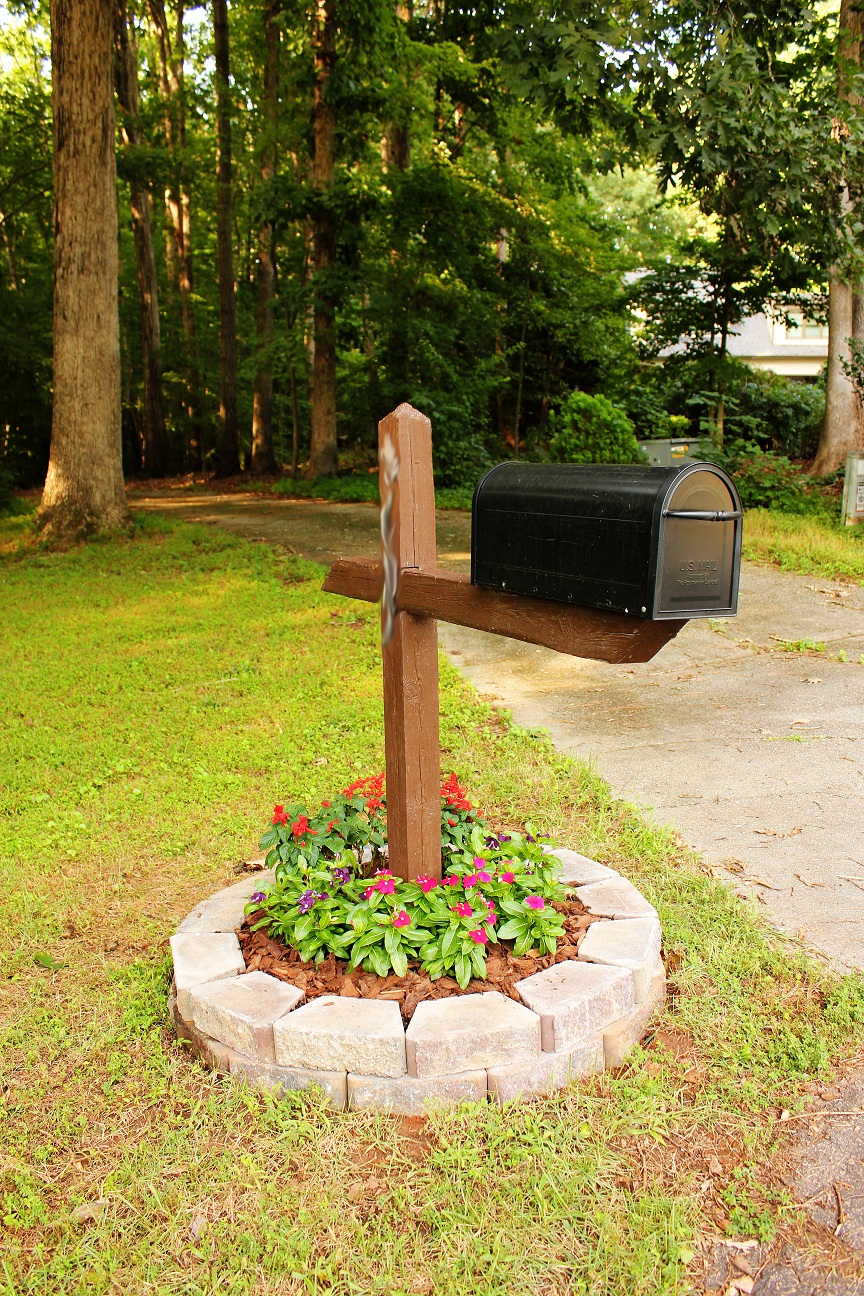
[[658, 543]]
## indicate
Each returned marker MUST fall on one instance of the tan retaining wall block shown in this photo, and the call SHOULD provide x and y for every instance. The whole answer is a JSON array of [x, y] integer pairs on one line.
[[575, 1000], [335, 1034], [470, 1031], [241, 1011], [408, 1096]]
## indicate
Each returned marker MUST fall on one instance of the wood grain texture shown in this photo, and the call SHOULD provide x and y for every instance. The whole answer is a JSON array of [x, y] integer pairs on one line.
[[410, 662], [447, 596], [411, 434]]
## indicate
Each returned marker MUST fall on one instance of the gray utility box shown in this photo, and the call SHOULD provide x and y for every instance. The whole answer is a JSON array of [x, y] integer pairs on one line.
[[668, 451], [853, 489], [657, 543]]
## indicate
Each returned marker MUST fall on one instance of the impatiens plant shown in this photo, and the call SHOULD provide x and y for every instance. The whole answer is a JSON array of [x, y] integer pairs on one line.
[[334, 895]]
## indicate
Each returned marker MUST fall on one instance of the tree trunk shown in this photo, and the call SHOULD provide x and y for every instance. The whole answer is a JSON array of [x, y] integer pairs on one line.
[[323, 456], [263, 460], [843, 425], [126, 81], [229, 447], [178, 232], [84, 487]]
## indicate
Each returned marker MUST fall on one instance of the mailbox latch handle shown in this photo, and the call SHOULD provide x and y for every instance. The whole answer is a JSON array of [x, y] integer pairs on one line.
[[704, 515]]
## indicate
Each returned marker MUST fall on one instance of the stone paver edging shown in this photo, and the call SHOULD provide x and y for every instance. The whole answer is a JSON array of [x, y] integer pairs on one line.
[[575, 1018]]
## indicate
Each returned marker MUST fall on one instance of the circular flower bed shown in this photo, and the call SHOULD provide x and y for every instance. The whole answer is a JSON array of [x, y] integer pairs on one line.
[[521, 968]]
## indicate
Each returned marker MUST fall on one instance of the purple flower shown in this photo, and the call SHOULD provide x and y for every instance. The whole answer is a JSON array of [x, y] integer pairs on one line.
[[341, 875], [306, 901], [502, 838], [491, 843], [257, 897], [529, 838]]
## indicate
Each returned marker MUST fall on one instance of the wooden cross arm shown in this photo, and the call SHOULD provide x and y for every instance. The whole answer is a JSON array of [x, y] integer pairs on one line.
[[448, 596]]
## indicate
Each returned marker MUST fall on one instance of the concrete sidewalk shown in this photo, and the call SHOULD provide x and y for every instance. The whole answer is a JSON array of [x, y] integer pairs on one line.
[[753, 754]]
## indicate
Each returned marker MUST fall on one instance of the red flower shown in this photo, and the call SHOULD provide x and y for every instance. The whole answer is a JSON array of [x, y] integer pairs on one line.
[[325, 805], [452, 823], [331, 824], [279, 815], [367, 787], [300, 826], [454, 795]]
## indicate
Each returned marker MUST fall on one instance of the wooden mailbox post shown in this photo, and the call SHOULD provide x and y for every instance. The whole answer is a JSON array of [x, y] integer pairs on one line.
[[420, 595]]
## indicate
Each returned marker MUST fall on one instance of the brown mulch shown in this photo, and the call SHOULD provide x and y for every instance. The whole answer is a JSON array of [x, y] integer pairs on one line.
[[331, 977]]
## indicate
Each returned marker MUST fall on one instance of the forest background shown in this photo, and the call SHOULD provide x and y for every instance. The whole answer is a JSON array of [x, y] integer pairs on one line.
[[502, 213]]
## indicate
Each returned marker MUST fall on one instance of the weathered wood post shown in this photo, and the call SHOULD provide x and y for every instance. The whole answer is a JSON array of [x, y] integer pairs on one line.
[[410, 658]]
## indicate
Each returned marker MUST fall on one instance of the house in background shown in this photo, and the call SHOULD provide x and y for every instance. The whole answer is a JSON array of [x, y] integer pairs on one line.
[[798, 350]]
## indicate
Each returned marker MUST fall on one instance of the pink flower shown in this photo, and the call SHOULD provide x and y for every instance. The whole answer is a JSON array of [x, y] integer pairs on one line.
[[401, 918], [535, 902], [452, 880], [483, 876], [479, 861], [493, 912], [479, 936], [386, 886], [506, 877], [426, 884], [367, 893], [469, 880], [463, 909]]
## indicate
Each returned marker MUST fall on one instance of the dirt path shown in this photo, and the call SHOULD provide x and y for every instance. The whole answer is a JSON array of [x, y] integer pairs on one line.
[[753, 754]]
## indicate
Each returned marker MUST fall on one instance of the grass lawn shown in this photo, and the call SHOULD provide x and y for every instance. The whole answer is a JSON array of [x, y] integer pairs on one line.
[[157, 697], [813, 545]]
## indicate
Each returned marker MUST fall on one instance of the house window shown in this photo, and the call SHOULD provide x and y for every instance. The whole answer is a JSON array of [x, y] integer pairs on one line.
[[800, 328]]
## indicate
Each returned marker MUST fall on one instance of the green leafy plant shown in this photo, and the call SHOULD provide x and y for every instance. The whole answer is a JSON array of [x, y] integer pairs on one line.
[[332, 895], [590, 429], [763, 479]]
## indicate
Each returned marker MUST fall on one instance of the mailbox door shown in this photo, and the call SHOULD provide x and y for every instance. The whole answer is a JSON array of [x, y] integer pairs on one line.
[[699, 546]]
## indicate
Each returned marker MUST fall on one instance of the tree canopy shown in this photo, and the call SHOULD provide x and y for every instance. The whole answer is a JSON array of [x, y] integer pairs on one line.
[[459, 205]]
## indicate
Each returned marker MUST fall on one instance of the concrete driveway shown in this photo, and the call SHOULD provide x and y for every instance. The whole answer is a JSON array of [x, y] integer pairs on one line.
[[752, 752]]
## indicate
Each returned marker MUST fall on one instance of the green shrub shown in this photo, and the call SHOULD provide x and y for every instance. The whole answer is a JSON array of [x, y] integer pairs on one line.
[[776, 413], [766, 480], [780, 414], [590, 429]]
